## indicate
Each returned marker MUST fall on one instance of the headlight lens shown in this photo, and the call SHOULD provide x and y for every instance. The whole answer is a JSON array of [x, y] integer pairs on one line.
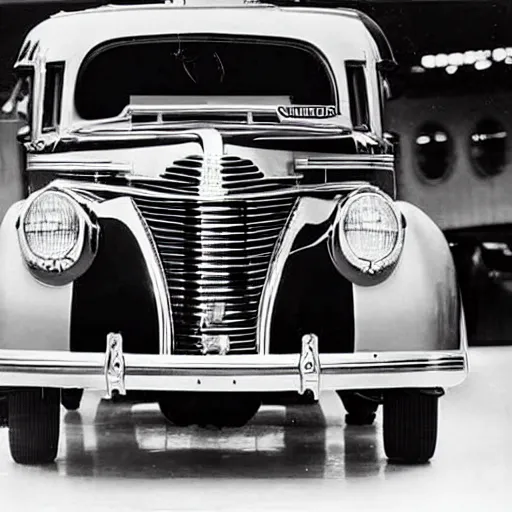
[[52, 227], [368, 233], [58, 236], [371, 228]]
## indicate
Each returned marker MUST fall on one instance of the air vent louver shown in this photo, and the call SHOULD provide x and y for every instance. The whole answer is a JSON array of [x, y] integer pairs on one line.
[[207, 176]]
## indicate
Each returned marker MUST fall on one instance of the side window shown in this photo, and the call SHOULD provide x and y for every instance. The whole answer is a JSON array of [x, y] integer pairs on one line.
[[52, 96], [358, 95]]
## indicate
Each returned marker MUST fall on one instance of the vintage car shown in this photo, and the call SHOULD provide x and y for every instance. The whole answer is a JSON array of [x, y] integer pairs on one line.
[[211, 221]]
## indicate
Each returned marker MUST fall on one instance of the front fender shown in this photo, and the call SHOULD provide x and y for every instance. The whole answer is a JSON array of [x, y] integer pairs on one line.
[[32, 315], [120, 292], [418, 307]]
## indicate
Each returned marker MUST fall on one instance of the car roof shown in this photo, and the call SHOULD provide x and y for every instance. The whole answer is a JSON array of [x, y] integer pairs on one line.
[[69, 35]]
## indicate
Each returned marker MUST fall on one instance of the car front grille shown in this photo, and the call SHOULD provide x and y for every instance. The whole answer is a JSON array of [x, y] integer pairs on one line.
[[215, 252]]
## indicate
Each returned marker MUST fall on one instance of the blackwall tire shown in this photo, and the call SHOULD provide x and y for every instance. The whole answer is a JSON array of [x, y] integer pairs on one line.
[[34, 424], [410, 426], [360, 410], [71, 398]]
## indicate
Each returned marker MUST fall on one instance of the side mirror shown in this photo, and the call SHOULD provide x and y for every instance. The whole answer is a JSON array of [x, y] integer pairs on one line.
[[23, 134], [9, 107], [392, 138]]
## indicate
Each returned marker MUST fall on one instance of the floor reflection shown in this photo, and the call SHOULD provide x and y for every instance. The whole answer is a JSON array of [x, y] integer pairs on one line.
[[134, 440], [125, 456], [361, 453]]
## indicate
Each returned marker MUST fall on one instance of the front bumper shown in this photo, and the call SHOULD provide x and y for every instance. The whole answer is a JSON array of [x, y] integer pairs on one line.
[[248, 373]]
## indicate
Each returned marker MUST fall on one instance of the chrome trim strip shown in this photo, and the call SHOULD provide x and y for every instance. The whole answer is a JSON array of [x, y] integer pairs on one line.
[[347, 186], [42, 164], [125, 118], [38, 87], [183, 131], [234, 372], [360, 161], [57, 358], [308, 210]]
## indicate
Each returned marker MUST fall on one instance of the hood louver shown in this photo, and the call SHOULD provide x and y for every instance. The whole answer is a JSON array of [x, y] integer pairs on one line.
[[208, 176]]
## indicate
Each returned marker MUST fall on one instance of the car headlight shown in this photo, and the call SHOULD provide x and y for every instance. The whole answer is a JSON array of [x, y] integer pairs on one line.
[[58, 238], [368, 233]]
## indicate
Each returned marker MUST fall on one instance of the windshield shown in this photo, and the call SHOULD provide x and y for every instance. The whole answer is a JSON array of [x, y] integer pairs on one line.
[[161, 71]]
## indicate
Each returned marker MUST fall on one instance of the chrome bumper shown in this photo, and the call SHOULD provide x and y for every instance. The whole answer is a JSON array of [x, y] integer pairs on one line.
[[233, 373]]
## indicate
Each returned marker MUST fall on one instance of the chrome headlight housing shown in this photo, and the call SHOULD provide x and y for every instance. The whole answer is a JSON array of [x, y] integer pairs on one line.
[[368, 233], [58, 237]]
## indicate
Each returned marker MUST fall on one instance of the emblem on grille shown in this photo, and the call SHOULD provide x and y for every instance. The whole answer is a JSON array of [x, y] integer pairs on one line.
[[214, 344]]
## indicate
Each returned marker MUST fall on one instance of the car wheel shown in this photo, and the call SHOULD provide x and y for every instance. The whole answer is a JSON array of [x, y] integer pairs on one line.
[[205, 409], [34, 422], [360, 410], [71, 398], [410, 425]]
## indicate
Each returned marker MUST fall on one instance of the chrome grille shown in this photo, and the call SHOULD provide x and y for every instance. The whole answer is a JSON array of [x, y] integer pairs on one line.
[[215, 251]]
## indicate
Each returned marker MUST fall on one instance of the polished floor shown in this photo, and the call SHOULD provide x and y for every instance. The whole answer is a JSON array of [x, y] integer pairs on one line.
[[125, 457]]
